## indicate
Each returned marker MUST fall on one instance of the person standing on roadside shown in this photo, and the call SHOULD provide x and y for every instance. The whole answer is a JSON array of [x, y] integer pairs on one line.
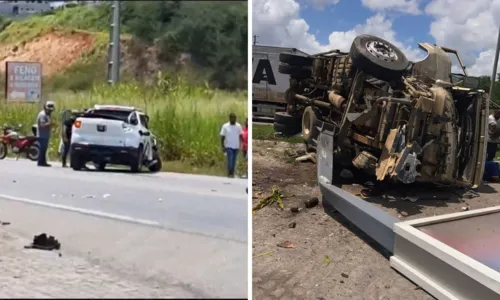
[[231, 135], [493, 135], [66, 136], [244, 145], [44, 126]]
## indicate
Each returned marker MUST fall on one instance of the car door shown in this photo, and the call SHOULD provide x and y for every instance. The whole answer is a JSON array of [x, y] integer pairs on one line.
[[143, 127], [134, 121]]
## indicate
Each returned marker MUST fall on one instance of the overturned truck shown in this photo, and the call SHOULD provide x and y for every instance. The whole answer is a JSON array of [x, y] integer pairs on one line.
[[392, 118]]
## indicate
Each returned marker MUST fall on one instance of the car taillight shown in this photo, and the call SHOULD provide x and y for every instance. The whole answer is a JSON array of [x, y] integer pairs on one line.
[[77, 124]]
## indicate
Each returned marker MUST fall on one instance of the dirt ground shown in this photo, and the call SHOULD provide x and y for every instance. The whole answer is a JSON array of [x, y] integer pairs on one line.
[[57, 50], [331, 258], [54, 50]]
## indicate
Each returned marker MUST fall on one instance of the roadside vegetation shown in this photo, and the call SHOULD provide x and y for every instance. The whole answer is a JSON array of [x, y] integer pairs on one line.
[[186, 119], [187, 107], [485, 82]]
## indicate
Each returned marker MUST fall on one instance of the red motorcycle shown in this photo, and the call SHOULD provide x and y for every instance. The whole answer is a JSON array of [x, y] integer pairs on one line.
[[18, 144]]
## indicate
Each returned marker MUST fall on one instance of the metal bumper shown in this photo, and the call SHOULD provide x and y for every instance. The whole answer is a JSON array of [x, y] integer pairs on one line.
[[378, 224], [103, 153]]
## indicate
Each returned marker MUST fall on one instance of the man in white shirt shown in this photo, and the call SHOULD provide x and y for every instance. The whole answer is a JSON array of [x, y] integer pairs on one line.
[[493, 135], [231, 137]]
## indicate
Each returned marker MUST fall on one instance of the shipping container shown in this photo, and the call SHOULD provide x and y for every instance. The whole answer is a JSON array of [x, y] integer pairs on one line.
[[268, 85]]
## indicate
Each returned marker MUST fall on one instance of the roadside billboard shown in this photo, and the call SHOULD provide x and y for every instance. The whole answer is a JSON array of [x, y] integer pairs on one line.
[[23, 81]]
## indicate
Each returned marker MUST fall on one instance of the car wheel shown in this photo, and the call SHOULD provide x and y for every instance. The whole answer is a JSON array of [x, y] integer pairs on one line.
[[156, 167], [136, 164], [378, 58], [75, 162]]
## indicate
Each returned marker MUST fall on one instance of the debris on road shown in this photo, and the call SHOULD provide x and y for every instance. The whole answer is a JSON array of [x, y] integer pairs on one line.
[[327, 260], [106, 196], [292, 225], [311, 202], [42, 242], [344, 275], [276, 197], [465, 208], [286, 244], [5, 223], [294, 209], [264, 254]]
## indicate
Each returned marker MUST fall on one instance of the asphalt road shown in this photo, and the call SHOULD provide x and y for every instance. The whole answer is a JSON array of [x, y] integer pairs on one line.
[[209, 207]]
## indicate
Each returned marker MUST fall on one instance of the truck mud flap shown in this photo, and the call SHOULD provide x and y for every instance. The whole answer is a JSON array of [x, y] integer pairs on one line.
[[375, 222]]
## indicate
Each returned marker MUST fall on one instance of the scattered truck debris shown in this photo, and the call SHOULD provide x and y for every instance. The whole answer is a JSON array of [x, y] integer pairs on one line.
[[276, 197]]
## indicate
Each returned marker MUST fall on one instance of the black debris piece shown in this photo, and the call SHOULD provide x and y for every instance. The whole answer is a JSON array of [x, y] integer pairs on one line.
[[311, 202], [42, 242]]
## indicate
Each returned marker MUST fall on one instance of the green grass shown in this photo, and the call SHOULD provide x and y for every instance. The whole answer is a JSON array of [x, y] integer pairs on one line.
[[266, 132], [77, 18], [186, 119]]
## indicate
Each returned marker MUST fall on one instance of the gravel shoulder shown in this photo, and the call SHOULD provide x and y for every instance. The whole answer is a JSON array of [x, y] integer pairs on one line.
[[332, 259]]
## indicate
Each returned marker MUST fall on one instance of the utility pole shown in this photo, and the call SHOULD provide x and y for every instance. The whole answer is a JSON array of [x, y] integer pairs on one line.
[[114, 45], [495, 65], [255, 39]]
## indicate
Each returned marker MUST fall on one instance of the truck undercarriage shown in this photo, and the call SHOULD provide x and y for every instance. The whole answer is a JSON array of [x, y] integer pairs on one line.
[[393, 119]]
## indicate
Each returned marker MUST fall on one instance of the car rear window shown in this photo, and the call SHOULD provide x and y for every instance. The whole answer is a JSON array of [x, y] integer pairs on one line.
[[112, 114]]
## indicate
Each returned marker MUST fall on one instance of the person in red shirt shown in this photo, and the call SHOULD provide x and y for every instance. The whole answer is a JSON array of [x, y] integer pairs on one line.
[[244, 144]]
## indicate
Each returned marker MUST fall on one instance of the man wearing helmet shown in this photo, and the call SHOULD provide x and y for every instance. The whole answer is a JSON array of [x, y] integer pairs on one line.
[[44, 124]]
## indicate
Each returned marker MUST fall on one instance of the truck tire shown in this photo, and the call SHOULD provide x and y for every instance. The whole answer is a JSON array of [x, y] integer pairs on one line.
[[296, 60], [294, 71], [310, 132], [136, 164], [286, 130], [285, 118], [378, 58]]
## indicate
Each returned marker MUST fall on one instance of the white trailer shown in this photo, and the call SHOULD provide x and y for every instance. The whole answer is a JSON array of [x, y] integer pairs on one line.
[[268, 85]]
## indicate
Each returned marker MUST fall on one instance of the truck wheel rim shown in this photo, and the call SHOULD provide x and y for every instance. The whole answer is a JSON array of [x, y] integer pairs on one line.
[[381, 51]]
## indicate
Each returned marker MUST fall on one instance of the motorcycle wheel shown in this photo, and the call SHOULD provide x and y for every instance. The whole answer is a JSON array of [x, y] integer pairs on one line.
[[3, 150], [33, 152]]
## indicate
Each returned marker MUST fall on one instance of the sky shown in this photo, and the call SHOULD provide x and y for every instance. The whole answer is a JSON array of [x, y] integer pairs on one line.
[[313, 26]]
